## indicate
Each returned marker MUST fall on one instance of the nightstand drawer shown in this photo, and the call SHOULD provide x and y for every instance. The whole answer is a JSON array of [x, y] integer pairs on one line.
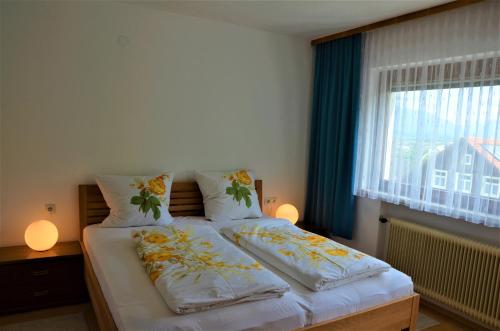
[[34, 280], [50, 272], [19, 298]]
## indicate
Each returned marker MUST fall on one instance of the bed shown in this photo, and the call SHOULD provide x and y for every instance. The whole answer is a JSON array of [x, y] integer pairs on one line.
[[376, 304]]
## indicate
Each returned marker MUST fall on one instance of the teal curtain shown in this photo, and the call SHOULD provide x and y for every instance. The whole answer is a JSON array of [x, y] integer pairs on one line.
[[335, 110]]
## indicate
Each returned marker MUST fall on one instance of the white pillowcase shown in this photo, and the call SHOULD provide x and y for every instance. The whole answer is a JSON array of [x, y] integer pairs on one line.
[[136, 200], [229, 195]]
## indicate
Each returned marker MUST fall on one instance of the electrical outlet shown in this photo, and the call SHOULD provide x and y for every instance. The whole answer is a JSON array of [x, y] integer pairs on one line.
[[50, 208], [269, 200]]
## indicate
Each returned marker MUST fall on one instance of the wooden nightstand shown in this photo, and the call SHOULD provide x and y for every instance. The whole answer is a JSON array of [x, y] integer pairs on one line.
[[33, 280], [300, 224], [312, 228]]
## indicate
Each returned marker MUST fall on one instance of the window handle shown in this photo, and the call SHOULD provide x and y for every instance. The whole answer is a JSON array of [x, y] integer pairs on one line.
[[382, 219]]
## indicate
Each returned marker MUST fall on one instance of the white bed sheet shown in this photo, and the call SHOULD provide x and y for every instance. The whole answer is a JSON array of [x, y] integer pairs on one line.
[[350, 298], [136, 305]]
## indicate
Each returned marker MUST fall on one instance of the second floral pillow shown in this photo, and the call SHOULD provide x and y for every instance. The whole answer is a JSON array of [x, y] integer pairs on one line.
[[136, 200], [229, 195]]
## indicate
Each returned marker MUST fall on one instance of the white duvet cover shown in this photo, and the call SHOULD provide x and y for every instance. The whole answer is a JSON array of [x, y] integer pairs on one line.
[[195, 269], [315, 261]]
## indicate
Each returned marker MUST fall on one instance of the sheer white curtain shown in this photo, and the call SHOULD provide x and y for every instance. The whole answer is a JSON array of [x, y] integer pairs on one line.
[[429, 132]]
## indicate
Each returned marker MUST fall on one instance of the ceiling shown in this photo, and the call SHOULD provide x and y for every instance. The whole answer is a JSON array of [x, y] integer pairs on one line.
[[307, 19]]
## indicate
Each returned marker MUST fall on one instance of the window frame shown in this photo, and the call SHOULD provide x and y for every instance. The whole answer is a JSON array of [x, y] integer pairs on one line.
[[445, 176], [461, 190], [457, 75], [468, 159], [489, 194]]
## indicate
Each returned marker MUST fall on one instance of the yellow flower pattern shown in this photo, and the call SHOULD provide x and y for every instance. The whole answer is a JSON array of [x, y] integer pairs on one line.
[[151, 196], [315, 261], [286, 252], [180, 253], [157, 185], [243, 177], [242, 186], [296, 244], [207, 244], [156, 238], [336, 251]]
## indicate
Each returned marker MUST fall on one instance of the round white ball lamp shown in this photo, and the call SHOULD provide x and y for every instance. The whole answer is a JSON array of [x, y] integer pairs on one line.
[[41, 235], [289, 212]]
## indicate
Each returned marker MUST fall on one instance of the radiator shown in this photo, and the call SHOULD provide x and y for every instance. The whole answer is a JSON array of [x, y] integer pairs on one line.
[[449, 269]]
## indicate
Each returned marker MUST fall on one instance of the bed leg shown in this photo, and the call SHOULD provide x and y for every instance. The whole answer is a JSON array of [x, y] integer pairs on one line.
[[414, 313]]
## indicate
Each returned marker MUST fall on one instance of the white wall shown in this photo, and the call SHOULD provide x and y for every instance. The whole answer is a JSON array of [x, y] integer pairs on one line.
[[185, 93], [367, 229]]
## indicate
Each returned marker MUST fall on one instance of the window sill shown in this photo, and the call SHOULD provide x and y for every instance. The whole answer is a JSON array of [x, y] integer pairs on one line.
[[429, 207]]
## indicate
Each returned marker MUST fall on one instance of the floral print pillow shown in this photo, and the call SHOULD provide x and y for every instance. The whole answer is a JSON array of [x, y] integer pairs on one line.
[[151, 195], [229, 195], [136, 200]]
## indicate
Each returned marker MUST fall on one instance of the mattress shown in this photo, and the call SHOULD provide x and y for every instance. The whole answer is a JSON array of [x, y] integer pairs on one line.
[[352, 297], [136, 304]]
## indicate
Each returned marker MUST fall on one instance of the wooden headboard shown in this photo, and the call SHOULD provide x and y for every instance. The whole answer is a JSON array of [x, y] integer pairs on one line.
[[185, 200]]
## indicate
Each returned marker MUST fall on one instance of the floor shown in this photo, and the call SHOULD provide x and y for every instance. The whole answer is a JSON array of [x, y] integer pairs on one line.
[[81, 318], [73, 322], [68, 318], [446, 322]]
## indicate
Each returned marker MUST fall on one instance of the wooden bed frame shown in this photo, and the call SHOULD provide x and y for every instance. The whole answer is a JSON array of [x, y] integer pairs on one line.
[[186, 200]]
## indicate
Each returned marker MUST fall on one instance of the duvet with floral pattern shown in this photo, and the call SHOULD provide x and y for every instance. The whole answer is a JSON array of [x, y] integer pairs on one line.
[[315, 261], [195, 269]]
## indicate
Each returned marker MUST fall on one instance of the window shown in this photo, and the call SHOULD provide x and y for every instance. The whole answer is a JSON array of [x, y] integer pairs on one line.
[[463, 183], [490, 187], [468, 159], [439, 179], [429, 111], [428, 132]]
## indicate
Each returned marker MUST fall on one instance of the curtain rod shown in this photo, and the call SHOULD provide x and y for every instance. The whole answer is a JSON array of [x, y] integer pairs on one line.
[[395, 20]]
